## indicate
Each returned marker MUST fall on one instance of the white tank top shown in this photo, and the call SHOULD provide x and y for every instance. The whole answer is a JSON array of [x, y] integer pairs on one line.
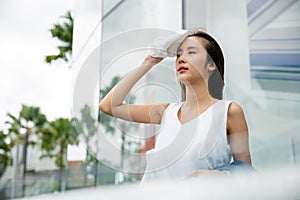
[[197, 144]]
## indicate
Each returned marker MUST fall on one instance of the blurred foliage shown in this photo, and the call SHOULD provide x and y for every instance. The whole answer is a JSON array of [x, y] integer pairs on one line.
[[31, 128], [124, 127], [55, 137], [5, 148], [64, 33], [87, 128], [87, 124]]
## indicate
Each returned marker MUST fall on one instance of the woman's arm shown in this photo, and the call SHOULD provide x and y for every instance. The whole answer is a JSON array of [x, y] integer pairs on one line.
[[238, 133], [112, 103]]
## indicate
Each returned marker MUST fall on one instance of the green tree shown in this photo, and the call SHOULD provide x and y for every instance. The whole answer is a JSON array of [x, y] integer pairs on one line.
[[21, 129], [55, 138], [29, 122], [4, 152], [64, 33]]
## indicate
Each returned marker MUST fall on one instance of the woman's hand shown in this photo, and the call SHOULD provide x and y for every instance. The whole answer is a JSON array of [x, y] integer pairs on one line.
[[150, 61], [197, 173]]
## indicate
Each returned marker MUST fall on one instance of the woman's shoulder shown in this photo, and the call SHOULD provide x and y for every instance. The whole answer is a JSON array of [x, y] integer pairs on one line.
[[234, 109], [172, 106]]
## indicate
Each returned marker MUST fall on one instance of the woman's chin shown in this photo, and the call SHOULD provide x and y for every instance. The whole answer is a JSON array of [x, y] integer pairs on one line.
[[186, 79], [182, 78]]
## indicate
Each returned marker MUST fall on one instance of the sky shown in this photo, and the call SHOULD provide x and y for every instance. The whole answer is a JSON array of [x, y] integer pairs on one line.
[[24, 76], [25, 41]]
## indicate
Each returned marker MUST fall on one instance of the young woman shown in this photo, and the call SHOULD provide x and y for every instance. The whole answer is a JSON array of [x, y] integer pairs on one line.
[[218, 127]]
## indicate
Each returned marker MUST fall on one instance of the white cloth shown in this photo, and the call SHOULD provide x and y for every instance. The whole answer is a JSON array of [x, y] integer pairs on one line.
[[198, 144], [167, 46]]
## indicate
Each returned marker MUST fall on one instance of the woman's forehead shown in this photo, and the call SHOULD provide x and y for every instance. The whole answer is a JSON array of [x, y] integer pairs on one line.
[[191, 42]]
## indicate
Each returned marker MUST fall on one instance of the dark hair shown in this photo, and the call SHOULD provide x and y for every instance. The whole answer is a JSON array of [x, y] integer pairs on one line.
[[215, 54]]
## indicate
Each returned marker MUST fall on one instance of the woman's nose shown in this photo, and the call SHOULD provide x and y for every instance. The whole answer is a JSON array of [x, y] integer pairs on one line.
[[181, 59]]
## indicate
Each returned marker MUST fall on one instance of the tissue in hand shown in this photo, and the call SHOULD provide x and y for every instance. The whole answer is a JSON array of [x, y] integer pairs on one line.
[[167, 46]]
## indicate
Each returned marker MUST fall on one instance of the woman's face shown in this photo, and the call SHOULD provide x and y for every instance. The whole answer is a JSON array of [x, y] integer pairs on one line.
[[191, 62]]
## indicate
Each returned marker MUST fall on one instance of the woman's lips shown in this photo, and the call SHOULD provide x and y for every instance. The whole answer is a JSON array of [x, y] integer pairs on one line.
[[182, 69]]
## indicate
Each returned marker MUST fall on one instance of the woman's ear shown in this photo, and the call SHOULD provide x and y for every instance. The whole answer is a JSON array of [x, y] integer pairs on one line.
[[211, 66]]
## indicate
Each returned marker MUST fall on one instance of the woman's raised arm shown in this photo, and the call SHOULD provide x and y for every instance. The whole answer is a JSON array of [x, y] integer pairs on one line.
[[112, 103]]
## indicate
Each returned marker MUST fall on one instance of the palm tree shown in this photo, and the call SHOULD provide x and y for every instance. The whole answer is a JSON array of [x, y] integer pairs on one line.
[[62, 130], [55, 138], [22, 127], [64, 33]]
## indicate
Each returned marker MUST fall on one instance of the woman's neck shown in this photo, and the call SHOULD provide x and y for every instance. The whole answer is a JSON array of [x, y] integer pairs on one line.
[[198, 95]]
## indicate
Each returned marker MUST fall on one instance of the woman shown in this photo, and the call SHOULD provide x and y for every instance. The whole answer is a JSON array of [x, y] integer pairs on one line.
[[219, 129]]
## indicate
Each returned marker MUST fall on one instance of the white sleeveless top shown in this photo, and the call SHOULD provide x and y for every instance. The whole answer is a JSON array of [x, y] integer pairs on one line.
[[198, 144]]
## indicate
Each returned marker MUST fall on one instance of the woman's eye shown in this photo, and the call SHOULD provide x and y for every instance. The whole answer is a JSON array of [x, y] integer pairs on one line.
[[191, 52], [178, 55]]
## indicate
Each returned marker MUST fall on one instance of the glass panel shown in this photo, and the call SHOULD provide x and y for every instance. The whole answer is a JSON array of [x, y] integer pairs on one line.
[[274, 42], [136, 14], [129, 28]]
